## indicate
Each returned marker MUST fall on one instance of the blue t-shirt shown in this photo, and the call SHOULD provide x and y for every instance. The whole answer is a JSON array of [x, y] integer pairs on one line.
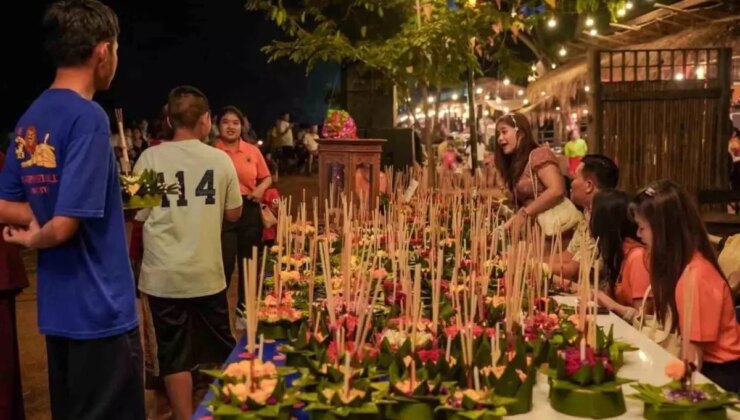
[[62, 163]]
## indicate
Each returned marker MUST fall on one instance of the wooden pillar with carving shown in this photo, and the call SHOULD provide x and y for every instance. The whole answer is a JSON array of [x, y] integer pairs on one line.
[[352, 166]]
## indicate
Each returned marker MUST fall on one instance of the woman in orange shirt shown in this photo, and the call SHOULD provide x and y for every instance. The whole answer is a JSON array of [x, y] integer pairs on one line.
[[683, 261], [237, 239], [624, 257]]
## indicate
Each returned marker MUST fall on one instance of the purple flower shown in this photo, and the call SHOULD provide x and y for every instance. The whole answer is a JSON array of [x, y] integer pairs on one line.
[[272, 400], [443, 390], [244, 407]]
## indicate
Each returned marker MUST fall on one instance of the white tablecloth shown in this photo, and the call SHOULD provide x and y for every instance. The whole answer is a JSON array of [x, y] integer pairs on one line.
[[645, 365]]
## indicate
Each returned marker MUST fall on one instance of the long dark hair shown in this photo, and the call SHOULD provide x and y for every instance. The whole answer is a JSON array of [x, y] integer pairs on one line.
[[677, 233], [512, 166], [611, 224]]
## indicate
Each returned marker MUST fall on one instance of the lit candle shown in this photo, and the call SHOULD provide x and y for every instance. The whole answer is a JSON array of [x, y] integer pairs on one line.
[[262, 347], [583, 349], [347, 374]]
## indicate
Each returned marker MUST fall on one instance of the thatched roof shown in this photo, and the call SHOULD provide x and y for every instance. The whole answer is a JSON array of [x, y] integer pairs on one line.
[[566, 84]]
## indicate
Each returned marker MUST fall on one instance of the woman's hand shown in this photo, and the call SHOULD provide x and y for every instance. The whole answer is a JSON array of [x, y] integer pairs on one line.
[[256, 195], [516, 222], [605, 300]]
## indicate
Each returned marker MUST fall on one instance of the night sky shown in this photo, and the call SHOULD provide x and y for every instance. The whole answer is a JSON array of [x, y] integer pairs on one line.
[[213, 45]]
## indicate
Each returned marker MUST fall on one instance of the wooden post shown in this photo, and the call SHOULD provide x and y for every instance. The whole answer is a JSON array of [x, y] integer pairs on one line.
[[724, 79], [596, 123]]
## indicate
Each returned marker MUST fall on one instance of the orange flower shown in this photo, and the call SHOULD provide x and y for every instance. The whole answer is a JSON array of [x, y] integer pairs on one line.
[[675, 369]]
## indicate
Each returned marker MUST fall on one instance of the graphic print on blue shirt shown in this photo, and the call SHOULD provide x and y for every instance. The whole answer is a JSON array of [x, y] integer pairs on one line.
[[62, 163]]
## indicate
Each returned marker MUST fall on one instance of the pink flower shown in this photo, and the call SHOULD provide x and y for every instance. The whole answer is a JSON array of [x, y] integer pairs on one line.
[[573, 360], [380, 274], [451, 331], [427, 356]]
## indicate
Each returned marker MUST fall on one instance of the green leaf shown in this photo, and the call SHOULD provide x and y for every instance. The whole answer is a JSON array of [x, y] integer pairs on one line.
[[228, 410], [582, 376], [363, 31]]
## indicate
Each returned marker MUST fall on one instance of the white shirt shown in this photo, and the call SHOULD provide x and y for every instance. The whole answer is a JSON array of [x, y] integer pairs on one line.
[[285, 139], [182, 237], [310, 141]]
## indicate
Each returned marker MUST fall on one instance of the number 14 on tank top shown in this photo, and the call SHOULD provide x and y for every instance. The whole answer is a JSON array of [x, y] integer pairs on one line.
[[205, 189]]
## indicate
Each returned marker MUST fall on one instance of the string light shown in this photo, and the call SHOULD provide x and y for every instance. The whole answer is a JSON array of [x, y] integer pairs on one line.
[[507, 82], [700, 72], [486, 113], [589, 21], [563, 52], [679, 76], [534, 67], [542, 93], [621, 12], [417, 110], [554, 66], [525, 101], [557, 108], [479, 91], [430, 99], [513, 13], [585, 112], [454, 96], [487, 97], [498, 99], [629, 5], [587, 88], [520, 92], [574, 115], [506, 110], [593, 32], [552, 22], [259, 143]]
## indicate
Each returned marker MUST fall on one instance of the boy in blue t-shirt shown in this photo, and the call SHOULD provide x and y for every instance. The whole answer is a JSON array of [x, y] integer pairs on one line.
[[62, 165]]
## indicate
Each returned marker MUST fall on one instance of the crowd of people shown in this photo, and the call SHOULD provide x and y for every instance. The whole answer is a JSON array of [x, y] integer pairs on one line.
[[64, 200]]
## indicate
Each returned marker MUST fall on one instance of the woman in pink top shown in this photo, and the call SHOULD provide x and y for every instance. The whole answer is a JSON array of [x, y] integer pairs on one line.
[[624, 257], [683, 261], [518, 157]]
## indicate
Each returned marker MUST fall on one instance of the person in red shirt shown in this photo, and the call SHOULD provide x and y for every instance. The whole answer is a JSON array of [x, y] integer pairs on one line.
[[238, 238], [12, 281], [682, 261], [271, 199]]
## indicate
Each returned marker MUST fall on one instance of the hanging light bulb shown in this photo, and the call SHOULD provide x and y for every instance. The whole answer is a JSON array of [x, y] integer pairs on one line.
[[587, 88], [507, 82], [520, 92], [554, 66], [479, 90], [557, 108], [593, 32], [629, 5], [430, 99], [454, 96], [498, 99], [563, 52], [621, 12], [589, 21], [552, 22], [525, 101]]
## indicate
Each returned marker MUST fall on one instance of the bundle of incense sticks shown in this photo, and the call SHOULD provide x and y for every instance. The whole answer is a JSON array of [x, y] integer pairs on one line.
[[252, 293], [689, 289], [125, 165]]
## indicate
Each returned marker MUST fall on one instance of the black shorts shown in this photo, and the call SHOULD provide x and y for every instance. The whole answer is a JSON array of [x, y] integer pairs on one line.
[[190, 332], [96, 379]]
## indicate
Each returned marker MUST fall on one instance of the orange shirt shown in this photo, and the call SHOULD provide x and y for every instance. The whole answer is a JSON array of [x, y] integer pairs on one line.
[[634, 276], [713, 322], [249, 163]]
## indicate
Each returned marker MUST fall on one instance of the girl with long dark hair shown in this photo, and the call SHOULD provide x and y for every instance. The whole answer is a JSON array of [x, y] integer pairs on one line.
[[624, 257], [683, 261], [525, 166]]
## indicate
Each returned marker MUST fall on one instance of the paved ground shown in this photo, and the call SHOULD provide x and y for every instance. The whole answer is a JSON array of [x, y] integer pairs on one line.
[[32, 344]]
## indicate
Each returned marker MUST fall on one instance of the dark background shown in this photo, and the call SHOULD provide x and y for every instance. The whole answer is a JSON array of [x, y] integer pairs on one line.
[[213, 45]]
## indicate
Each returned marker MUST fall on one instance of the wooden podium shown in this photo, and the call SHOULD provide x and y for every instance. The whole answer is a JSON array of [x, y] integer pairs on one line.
[[352, 166]]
